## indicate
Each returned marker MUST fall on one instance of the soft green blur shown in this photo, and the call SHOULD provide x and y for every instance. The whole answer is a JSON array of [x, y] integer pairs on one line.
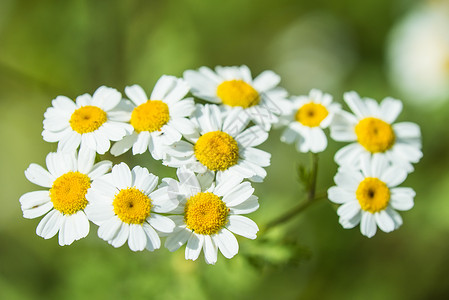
[[50, 48]]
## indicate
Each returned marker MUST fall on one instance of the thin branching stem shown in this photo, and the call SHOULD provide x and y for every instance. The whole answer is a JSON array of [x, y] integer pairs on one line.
[[303, 205]]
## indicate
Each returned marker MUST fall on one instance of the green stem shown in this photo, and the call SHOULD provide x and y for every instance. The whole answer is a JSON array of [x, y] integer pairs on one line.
[[311, 198]]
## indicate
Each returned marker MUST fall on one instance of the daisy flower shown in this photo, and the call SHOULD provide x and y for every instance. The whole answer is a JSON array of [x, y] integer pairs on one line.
[[91, 121], [209, 214], [307, 117], [160, 120], [126, 207], [374, 134], [69, 178], [234, 87], [370, 195], [221, 145]]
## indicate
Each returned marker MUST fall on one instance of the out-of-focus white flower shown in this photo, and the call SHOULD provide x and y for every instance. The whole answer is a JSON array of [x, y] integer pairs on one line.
[[418, 53]]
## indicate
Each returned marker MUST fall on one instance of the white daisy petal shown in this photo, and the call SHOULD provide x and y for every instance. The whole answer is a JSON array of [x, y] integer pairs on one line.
[[180, 89], [142, 143], [106, 98], [137, 239], [384, 221], [154, 242], [339, 195], [348, 210], [238, 194], [356, 104], [194, 246], [235, 121], [124, 145], [49, 225], [402, 198], [393, 176], [37, 211], [256, 156], [368, 224], [38, 175], [163, 201], [121, 176], [136, 94], [227, 243], [210, 250], [143, 180], [266, 81], [86, 160], [163, 87], [69, 142], [249, 206], [98, 213], [397, 219], [34, 199], [177, 239], [242, 226], [109, 229], [407, 130], [253, 136], [161, 223], [390, 109], [121, 235], [351, 223], [349, 154], [99, 169]]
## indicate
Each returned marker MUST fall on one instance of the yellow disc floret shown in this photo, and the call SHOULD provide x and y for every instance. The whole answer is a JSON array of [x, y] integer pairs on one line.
[[132, 206], [205, 213], [237, 93], [217, 150], [311, 114], [87, 119], [375, 135], [150, 116], [373, 195], [68, 192]]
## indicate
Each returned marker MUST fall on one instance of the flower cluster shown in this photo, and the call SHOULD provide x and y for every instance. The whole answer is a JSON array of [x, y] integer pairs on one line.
[[215, 150]]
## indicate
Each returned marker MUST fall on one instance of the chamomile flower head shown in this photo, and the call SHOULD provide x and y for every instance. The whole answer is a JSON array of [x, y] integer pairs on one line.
[[69, 179], [91, 121], [158, 120], [373, 133], [220, 144], [209, 214], [234, 87], [306, 118], [369, 195], [126, 207]]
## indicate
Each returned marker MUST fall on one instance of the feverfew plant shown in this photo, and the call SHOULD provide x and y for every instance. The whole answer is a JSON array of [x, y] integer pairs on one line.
[[214, 148]]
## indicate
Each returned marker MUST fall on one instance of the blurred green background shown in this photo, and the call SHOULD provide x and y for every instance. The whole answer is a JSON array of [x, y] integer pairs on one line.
[[50, 48]]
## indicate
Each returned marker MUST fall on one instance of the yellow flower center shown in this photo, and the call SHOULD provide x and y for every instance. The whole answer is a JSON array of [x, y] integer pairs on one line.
[[311, 114], [68, 192], [238, 93], [373, 195], [375, 135], [132, 206], [150, 116], [216, 150], [205, 213], [87, 119]]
